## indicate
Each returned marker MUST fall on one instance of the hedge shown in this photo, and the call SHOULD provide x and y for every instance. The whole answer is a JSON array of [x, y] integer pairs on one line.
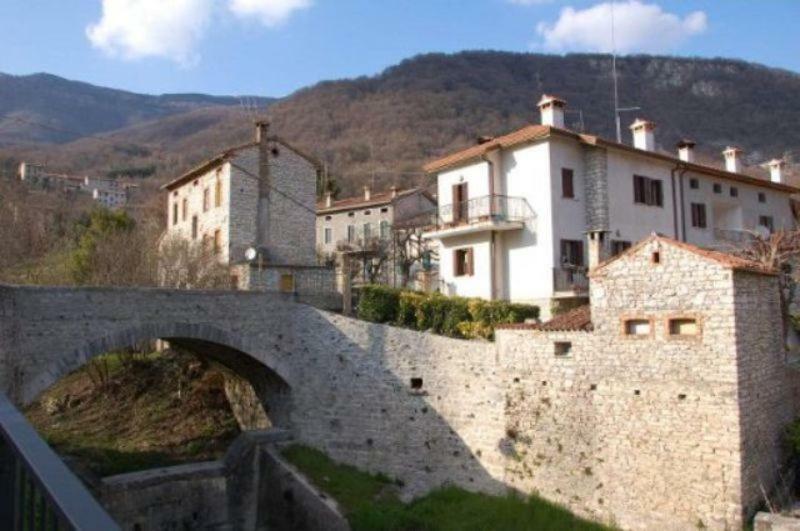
[[437, 313]]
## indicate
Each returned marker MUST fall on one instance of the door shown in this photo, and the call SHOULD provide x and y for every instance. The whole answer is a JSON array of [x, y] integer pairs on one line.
[[460, 203]]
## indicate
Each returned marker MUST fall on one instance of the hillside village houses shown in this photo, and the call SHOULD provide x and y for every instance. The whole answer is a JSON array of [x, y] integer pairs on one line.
[[253, 207], [522, 216], [108, 192], [366, 225]]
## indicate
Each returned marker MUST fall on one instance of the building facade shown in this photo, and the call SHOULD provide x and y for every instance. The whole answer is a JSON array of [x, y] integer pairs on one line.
[[366, 225], [253, 208], [523, 216], [109, 193]]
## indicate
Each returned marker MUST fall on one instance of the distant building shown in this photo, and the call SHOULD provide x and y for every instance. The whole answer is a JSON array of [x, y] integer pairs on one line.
[[366, 224], [108, 192], [523, 216], [253, 207]]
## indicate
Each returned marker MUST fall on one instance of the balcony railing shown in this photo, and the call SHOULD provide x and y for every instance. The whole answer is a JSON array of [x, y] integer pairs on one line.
[[37, 490], [569, 278], [736, 236], [485, 208]]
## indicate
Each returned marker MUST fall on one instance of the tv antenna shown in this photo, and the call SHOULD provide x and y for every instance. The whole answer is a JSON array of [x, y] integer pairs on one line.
[[617, 108]]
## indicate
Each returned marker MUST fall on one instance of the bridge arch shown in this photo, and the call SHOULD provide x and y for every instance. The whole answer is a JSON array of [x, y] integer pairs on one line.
[[269, 377]]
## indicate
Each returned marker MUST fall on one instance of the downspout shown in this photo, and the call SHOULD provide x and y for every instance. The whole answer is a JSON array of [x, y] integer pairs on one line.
[[680, 236], [492, 280]]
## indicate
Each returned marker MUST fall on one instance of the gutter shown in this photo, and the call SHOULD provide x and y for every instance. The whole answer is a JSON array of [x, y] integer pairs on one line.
[[679, 235]]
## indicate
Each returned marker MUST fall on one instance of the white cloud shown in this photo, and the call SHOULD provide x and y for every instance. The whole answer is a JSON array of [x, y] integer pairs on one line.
[[639, 27], [528, 2], [270, 12], [172, 29], [133, 29]]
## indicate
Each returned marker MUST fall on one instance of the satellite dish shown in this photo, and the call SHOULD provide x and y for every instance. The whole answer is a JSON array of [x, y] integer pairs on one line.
[[251, 253]]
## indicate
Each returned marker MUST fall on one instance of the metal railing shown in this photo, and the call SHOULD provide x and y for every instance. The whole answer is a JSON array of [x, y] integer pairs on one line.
[[37, 490], [485, 208], [570, 278], [738, 236]]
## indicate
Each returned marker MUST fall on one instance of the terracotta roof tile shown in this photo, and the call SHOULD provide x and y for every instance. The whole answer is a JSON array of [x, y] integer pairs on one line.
[[576, 320], [376, 199]]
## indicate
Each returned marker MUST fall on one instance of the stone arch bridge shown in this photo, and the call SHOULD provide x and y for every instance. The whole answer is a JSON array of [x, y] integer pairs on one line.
[[336, 383]]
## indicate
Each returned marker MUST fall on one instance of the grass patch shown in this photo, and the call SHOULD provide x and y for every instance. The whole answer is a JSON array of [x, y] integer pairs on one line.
[[371, 503]]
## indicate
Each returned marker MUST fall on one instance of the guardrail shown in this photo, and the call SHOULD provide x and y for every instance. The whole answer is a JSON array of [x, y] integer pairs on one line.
[[487, 207], [37, 490], [570, 278]]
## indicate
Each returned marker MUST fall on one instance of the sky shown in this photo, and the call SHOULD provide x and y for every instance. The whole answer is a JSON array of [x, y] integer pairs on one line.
[[274, 47]]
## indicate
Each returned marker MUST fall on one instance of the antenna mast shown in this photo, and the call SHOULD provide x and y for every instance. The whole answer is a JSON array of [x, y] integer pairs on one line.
[[614, 76]]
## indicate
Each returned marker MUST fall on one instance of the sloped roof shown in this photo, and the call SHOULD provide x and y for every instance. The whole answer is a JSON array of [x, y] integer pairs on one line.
[[576, 320], [725, 260], [531, 133], [375, 200]]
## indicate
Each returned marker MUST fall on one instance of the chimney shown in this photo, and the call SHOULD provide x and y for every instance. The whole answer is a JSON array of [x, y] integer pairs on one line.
[[367, 193], [328, 199], [262, 130], [597, 249], [394, 191], [733, 159], [776, 170], [552, 110], [686, 150], [643, 137]]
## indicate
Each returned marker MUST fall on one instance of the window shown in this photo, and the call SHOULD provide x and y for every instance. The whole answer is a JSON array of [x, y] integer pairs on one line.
[[571, 253], [734, 191], [287, 283], [619, 247], [460, 202], [683, 327], [328, 234], [699, 215], [384, 210], [694, 184], [637, 327], [217, 241], [218, 193], [567, 184], [463, 264], [384, 230], [766, 221], [194, 227], [367, 212], [717, 188], [563, 348], [328, 218], [351, 233], [416, 383], [206, 199], [174, 213], [185, 209], [367, 231], [351, 214], [647, 191], [762, 197]]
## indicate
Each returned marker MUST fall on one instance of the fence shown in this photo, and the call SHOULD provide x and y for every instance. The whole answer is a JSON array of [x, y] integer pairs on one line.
[[37, 490]]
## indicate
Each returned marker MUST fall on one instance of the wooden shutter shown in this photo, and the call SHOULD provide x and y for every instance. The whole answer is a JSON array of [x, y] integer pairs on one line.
[[638, 189], [470, 262], [567, 183], [456, 263]]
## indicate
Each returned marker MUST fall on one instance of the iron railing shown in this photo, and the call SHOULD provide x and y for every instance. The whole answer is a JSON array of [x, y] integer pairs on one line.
[[485, 208], [570, 278], [37, 490]]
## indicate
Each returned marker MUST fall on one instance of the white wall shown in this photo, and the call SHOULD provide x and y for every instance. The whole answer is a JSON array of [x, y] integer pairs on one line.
[[477, 285], [475, 175], [569, 213]]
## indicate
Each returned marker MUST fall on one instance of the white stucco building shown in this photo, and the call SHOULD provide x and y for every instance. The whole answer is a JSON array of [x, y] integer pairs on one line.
[[522, 216], [258, 196]]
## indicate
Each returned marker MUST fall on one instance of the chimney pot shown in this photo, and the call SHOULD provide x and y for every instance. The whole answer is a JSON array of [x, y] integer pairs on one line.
[[328, 199], [686, 150], [262, 130], [552, 110], [394, 191], [733, 159], [643, 137], [367, 193], [776, 170]]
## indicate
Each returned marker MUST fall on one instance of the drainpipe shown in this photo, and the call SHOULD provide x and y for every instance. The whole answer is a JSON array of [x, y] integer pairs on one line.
[[492, 280], [679, 235]]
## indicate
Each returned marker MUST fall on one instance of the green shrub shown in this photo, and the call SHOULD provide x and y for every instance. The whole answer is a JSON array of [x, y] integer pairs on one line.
[[378, 304], [407, 307]]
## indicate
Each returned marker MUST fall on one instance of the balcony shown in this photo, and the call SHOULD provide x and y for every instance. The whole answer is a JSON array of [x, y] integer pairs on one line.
[[486, 213], [735, 237], [569, 281]]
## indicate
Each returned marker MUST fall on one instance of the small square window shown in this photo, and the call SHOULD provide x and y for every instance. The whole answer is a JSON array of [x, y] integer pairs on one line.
[[328, 218], [384, 210], [563, 348], [367, 212], [734, 191], [351, 214], [762, 197], [416, 383], [717, 188], [694, 184], [637, 327], [683, 327]]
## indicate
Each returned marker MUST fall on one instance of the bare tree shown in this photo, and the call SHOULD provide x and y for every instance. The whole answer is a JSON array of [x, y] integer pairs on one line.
[[372, 254], [188, 265], [409, 250]]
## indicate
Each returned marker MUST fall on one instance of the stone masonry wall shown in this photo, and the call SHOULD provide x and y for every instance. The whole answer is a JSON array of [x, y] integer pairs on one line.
[[595, 182]]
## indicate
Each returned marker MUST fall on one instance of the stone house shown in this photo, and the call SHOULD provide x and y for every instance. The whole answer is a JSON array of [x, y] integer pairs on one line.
[[253, 207], [367, 223], [522, 216], [108, 192], [662, 404]]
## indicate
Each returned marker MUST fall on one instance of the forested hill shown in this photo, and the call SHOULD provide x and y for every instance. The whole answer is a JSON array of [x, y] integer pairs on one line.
[[382, 128]]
